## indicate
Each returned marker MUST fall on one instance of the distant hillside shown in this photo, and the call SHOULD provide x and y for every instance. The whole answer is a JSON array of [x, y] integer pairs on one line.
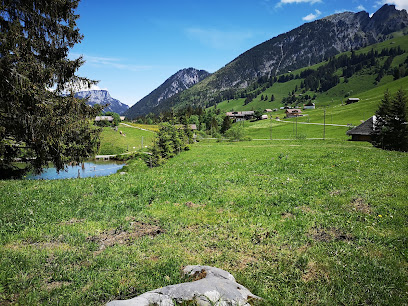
[[304, 46], [103, 97], [177, 83], [364, 74]]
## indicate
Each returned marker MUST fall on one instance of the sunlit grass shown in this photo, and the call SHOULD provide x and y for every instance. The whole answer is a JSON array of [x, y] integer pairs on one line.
[[297, 222], [124, 139]]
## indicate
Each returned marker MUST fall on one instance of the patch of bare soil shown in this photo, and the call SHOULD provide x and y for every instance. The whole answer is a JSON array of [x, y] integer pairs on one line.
[[246, 260], [48, 245], [288, 215], [54, 285], [119, 236], [261, 234], [328, 234], [305, 209], [335, 192], [190, 204], [360, 205], [314, 272]]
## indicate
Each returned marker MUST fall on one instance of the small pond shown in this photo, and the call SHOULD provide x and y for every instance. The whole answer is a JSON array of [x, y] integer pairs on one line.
[[88, 169]]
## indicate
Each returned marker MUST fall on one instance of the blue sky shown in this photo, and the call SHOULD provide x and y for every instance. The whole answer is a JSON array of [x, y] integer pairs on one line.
[[133, 46]]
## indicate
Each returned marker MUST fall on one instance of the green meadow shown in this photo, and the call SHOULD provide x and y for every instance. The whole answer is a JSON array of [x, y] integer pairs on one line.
[[297, 222], [124, 139]]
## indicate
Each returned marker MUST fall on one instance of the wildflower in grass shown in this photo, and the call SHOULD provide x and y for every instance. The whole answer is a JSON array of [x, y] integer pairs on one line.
[[380, 216]]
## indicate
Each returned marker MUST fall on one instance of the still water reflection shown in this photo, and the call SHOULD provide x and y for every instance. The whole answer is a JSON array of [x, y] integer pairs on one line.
[[88, 169]]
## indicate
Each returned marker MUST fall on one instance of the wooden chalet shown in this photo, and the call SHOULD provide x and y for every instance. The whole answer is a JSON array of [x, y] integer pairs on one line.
[[240, 116], [293, 112]]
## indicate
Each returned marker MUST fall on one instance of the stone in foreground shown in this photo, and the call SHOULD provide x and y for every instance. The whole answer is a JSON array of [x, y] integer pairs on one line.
[[213, 287]]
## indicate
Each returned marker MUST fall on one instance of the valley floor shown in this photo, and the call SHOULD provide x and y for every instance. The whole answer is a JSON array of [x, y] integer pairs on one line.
[[296, 222]]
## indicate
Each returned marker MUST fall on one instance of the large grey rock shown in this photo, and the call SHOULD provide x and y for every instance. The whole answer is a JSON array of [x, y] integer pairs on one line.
[[214, 287]]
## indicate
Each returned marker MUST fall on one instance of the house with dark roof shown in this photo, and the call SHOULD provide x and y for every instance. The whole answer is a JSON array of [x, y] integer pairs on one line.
[[240, 116], [364, 131], [309, 106], [352, 100]]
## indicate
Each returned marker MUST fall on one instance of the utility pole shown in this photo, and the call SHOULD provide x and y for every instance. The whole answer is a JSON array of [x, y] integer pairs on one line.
[[270, 128], [296, 126], [324, 124]]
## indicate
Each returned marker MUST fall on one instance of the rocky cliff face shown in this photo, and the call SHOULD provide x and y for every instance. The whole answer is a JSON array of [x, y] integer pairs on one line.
[[177, 83], [103, 97]]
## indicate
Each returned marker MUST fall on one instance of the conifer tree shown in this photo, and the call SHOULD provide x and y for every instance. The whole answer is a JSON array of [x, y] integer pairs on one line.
[[226, 124], [36, 122], [390, 126]]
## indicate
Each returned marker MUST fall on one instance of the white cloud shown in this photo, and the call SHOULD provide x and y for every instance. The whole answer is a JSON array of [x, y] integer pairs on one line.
[[217, 39], [282, 2], [312, 16], [399, 4], [109, 62], [361, 8]]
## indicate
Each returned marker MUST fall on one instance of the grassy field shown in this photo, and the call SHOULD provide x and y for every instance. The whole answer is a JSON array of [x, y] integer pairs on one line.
[[113, 142], [272, 129], [297, 222]]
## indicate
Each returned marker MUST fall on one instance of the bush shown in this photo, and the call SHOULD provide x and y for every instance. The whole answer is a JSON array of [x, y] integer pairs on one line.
[[235, 133]]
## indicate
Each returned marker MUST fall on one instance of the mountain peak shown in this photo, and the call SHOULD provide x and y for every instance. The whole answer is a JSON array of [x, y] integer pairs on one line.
[[102, 96], [178, 82]]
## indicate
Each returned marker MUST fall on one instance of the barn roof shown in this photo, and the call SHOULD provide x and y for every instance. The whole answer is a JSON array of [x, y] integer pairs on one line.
[[366, 128]]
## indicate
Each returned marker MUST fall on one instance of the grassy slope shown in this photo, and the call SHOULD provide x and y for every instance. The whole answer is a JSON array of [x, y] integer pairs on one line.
[[113, 142], [296, 222], [360, 85]]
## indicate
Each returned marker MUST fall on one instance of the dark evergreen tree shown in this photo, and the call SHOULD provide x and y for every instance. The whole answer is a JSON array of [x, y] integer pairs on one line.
[[226, 124], [36, 122], [390, 126]]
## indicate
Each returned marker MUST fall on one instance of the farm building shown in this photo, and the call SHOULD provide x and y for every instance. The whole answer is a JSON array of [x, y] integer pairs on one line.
[[104, 118], [352, 100], [268, 110], [240, 116], [309, 106], [363, 131], [294, 112]]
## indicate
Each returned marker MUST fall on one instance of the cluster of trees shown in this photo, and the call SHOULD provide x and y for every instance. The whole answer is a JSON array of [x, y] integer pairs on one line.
[[325, 77], [293, 99], [37, 124], [391, 124], [170, 141], [208, 121]]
